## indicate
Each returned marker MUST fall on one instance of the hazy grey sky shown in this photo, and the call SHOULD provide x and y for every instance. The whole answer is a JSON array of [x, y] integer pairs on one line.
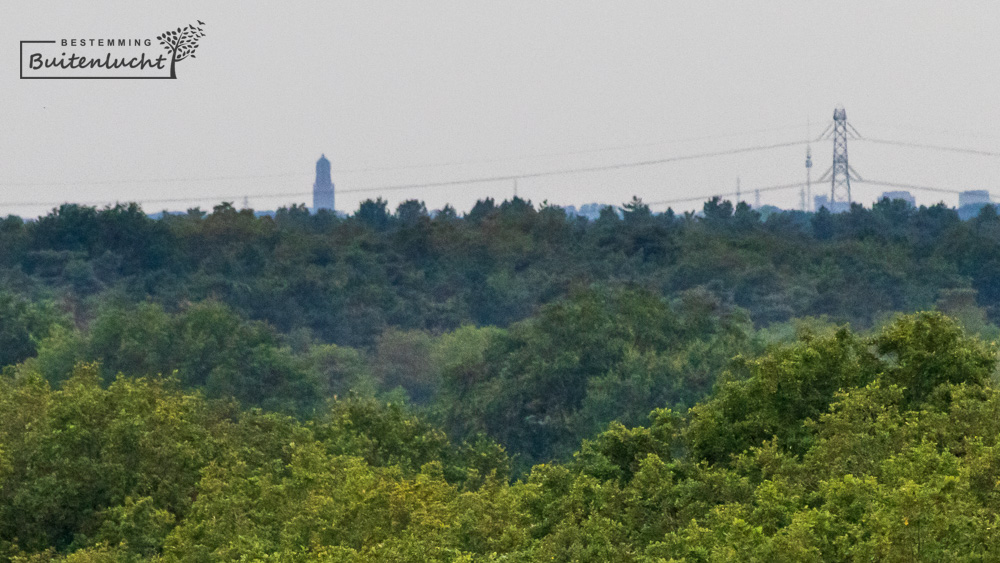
[[390, 84]]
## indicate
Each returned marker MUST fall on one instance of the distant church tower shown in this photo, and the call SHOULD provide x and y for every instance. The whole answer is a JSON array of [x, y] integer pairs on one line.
[[323, 188]]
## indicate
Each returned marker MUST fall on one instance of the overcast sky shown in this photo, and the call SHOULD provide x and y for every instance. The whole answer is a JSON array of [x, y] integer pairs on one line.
[[503, 88]]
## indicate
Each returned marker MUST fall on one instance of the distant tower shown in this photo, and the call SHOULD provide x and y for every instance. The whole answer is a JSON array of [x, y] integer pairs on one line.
[[840, 176], [840, 172], [809, 190], [323, 188]]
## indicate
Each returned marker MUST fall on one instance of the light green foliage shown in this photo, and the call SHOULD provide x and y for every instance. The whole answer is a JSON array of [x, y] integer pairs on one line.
[[618, 453], [927, 350], [774, 394], [886, 473], [86, 462], [387, 435], [140, 470]]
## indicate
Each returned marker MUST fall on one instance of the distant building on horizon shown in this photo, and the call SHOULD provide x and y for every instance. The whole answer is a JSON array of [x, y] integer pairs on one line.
[[323, 188], [835, 207], [903, 195], [973, 197], [589, 210]]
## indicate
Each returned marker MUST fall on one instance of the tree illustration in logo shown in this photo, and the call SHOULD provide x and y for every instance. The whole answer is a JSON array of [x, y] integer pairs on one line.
[[181, 43]]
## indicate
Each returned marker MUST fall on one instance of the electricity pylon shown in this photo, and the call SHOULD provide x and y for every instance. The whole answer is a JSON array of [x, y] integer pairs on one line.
[[840, 172]]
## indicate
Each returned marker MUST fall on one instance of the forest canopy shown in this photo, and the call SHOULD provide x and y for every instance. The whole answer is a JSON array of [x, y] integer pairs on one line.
[[515, 384]]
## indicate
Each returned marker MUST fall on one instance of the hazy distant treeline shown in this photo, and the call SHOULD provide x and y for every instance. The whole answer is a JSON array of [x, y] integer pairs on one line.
[[347, 280]]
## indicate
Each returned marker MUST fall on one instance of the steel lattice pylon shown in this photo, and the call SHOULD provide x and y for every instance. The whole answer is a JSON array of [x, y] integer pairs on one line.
[[840, 172], [840, 175]]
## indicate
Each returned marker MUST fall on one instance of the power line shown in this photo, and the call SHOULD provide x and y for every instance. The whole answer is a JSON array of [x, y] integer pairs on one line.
[[293, 194], [506, 177], [394, 168], [577, 170], [151, 180], [730, 194], [910, 186], [474, 180], [932, 147], [569, 153], [969, 133]]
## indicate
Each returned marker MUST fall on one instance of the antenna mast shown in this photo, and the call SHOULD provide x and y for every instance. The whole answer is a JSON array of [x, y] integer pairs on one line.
[[807, 196]]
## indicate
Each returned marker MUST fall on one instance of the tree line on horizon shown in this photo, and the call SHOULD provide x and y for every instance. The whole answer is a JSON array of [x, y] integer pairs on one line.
[[346, 280]]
